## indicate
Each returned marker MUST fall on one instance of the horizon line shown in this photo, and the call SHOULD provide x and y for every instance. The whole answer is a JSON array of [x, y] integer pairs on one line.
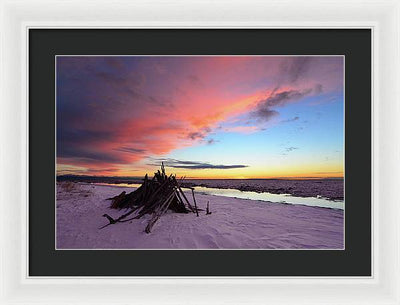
[[208, 178]]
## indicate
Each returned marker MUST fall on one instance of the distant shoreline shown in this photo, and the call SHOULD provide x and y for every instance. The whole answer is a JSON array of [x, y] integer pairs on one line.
[[136, 179], [330, 188]]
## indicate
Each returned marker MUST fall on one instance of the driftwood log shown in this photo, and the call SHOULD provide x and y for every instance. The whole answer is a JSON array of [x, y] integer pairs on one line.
[[208, 212], [153, 197]]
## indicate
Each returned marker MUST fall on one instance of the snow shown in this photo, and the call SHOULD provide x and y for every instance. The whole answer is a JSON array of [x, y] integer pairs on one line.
[[234, 224]]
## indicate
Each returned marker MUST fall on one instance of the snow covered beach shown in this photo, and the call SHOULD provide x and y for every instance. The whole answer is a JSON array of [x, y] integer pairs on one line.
[[234, 224]]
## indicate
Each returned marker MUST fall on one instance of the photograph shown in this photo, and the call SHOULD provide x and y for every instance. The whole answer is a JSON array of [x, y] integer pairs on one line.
[[200, 152]]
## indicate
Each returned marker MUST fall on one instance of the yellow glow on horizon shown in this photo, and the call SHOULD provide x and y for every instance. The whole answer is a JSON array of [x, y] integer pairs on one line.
[[277, 170], [232, 174]]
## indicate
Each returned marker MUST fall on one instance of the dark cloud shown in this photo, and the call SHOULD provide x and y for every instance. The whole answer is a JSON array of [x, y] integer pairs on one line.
[[264, 114], [88, 155], [282, 98], [130, 150], [211, 141], [74, 143], [291, 148], [174, 163], [81, 136], [296, 118], [210, 166], [100, 170], [296, 67], [196, 135], [264, 111], [201, 134], [104, 169]]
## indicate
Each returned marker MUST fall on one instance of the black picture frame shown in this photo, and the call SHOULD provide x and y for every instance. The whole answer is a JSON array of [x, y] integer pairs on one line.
[[354, 260]]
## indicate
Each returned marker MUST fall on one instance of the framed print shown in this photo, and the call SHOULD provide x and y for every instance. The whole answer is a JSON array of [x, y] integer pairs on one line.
[[203, 154]]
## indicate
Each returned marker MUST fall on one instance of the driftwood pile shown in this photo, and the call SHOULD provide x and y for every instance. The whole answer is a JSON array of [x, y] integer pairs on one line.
[[153, 197]]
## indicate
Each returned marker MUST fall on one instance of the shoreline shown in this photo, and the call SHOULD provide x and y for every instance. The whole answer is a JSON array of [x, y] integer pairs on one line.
[[318, 202], [330, 189]]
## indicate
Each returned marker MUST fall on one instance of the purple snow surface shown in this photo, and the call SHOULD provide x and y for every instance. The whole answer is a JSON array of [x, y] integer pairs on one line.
[[234, 224], [328, 188]]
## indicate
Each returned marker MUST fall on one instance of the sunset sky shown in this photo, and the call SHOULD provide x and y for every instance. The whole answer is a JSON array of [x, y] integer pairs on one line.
[[204, 116]]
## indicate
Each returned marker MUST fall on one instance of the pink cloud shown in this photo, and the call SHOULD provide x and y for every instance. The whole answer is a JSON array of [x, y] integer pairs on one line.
[[242, 129]]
